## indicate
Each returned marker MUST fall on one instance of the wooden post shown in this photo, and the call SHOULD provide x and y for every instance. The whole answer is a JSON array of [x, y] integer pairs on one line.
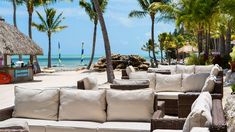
[[31, 59], [5, 60]]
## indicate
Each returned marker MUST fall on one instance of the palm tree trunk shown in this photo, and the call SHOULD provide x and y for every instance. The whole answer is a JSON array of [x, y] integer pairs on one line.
[[49, 50], [94, 43], [152, 37], [109, 66], [228, 40], [222, 45], [14, 12], [199, 41], [161, 53], [30, 24]]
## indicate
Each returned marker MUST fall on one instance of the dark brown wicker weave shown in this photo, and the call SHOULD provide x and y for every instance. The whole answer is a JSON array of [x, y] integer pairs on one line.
[[218, 120], [128, 87], [171, 106]]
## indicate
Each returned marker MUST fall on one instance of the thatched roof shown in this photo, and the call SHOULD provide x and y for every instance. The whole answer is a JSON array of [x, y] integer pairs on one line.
[[13, 42]]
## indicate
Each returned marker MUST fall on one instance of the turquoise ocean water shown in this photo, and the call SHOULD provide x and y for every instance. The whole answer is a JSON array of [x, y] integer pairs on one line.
[[68, 61]]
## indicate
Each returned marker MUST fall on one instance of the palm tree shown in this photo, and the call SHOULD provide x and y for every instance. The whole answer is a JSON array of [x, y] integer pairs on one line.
[[109, 66], [50, 25], [146, 10], [90, 10]]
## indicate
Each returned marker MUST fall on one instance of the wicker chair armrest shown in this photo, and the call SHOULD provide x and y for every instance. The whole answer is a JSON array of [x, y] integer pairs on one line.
[[218, 118], [218, 88], [6, 113], [161, 106], [125, 77], [167, 123], [80, 84], [128, 87], [124, 72]]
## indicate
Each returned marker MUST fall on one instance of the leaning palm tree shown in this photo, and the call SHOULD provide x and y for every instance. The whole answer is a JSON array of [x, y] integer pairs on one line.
[[50, 24], [145, 4], [90, 10], [109, 66]]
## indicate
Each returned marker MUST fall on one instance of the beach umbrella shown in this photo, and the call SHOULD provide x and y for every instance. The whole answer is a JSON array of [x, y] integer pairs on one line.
[[82, 54], [187, 49], [59, 58]]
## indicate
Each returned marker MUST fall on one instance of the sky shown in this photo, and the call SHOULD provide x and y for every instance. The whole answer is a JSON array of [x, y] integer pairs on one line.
[[126, 35]]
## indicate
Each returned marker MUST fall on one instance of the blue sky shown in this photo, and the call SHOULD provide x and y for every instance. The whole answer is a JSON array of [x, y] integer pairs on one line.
[[127, 35]]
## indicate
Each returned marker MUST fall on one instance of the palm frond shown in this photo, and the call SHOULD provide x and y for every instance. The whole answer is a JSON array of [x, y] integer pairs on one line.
[[88, 9], [143, 4], [138, 14], [40, 27]]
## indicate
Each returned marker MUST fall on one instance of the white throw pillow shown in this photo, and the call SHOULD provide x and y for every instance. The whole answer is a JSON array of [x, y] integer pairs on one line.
[[36, 103], [215, 70], [130, 82], [143, 76], [172, 68], [203, 69], [180, 69], [129, 70], [200, 115], [88, 105], [133, 105], [209, 84], [90, 83], [194, 82], [168, 83]]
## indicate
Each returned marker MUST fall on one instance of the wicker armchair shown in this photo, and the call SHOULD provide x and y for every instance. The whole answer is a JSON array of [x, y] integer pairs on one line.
[[218, 120]]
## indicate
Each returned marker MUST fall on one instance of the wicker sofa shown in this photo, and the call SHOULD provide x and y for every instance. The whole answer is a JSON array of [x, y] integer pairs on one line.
[[171, 98], [84, 118], [218, 123]]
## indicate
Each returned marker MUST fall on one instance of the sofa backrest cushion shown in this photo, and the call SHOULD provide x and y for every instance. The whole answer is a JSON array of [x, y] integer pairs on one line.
[[36, 103], [168, 83], [215, 70], [180, 69], [130, 82], [172, 68], [143, 76], [129, 70], [194, 82], [209, 84], [90, 83], [132, 105], [200, 115], [86, 105], [203, 69]]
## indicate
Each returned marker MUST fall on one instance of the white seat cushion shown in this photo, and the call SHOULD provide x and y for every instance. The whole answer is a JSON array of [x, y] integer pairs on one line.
[[168, 95], [209, 84], [172, 68], [90, 83], [129, 70], [194, 82], [143, 76], [200, 129], [167, 130], [168, 83], [85, 105], [11, 124], [124, 127], [73, 126], [129, 105], [130, 82], [203, 69], [36, 103], [215, 70], [180, 69]]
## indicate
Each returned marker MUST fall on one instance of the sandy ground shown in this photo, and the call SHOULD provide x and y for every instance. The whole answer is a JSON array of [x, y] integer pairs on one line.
[[61, 80], [66, 79]]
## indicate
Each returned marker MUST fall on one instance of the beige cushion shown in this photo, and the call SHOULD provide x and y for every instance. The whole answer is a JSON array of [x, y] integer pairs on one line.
[[209, 84], [185, 69], [167, 130], [143, 76], [131, 105], [168, 83], [172, 68], [203, 69], [200, 129], [36, 103], [130, 82], [168, 95], [215, 70], [87, 105], [129, 70], [73, 126], [124, 127], [90, 83], [200, 115], [194, 82], [11, 124]]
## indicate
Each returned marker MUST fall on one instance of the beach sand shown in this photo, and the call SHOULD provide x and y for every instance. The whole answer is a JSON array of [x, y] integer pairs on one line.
[[67, 79]]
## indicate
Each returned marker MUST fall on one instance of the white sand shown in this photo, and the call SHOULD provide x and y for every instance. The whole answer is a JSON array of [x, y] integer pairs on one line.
[[66, 79]]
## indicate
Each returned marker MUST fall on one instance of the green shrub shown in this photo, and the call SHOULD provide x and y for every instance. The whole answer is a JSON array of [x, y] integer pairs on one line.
[[233, 88], [192, 60], [232, 54]]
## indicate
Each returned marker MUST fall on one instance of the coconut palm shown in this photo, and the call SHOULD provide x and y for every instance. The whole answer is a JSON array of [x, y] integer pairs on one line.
[[145, 10], [50, 25], [90, 10], [109, 66]]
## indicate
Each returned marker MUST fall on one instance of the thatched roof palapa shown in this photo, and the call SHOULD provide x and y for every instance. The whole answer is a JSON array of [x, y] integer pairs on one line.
[[14, 42]]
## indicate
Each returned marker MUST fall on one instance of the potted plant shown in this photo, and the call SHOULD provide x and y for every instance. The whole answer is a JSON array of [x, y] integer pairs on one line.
[[233, 88], [232, 62]]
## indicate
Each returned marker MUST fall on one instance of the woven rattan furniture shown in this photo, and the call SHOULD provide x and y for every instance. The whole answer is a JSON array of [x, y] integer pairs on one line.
[[218, 120]]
